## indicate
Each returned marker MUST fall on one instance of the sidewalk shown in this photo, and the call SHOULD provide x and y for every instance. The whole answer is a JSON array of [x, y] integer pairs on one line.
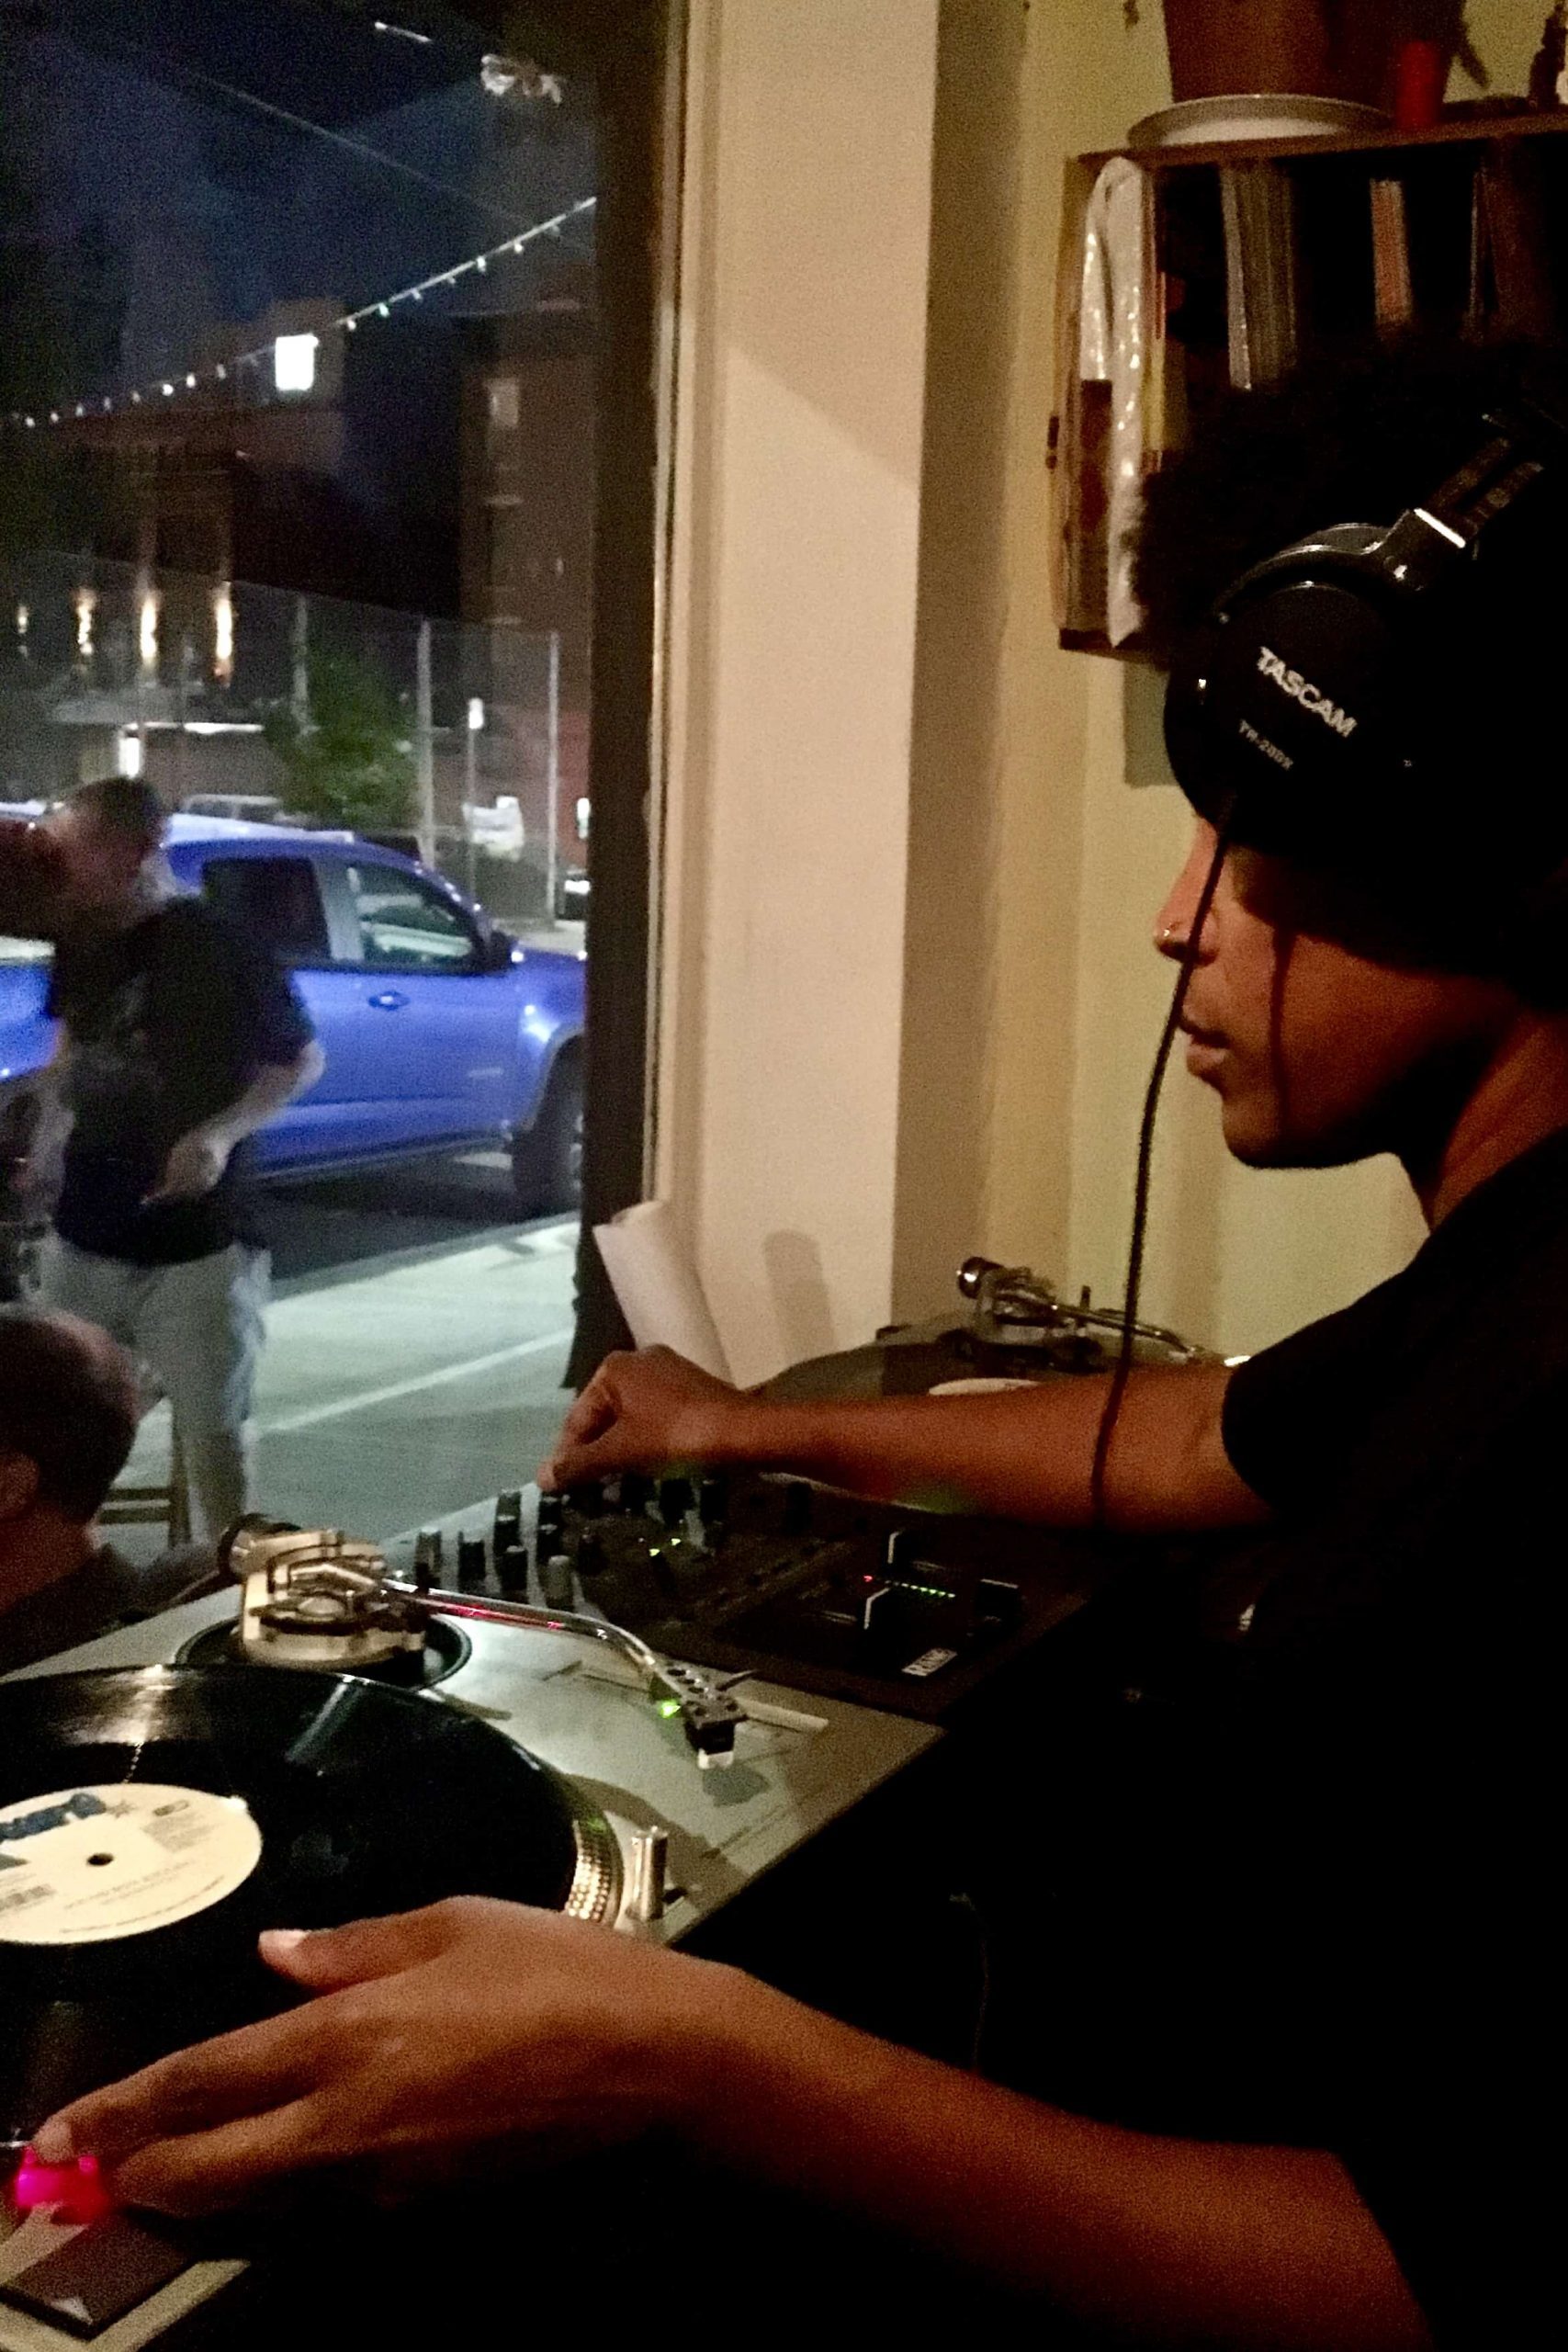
[[418, 1384]]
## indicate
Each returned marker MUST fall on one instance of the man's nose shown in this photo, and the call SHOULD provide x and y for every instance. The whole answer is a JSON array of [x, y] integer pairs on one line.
[[1173, 927]]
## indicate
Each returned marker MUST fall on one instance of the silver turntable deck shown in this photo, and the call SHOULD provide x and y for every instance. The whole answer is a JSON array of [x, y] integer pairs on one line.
[[799, 1761]]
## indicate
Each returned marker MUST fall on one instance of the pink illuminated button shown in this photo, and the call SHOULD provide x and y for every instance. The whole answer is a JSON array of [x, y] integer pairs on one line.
[[77, 2188]]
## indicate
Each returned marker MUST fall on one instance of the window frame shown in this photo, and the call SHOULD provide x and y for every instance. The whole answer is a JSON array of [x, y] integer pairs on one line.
[[221, 854], [635, 51], [632, 50]]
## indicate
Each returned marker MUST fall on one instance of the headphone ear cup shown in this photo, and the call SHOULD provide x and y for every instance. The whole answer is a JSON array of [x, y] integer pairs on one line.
[[1189, 738], [1212, 684]]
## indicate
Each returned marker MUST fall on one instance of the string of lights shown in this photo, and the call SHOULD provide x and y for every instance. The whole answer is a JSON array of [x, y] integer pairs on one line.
[[292, 357]]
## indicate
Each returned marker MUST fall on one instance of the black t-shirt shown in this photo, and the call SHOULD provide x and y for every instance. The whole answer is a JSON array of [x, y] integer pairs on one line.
[[1306, 1897], [169, 1021]]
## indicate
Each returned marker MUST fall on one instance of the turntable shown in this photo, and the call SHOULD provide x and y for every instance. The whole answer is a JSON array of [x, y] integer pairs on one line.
[[513, 1714], [153, 1821], [1012, 1324], [161, 1801]]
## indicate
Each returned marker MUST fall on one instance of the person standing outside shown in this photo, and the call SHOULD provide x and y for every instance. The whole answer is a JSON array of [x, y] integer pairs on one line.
[[178, 1037]]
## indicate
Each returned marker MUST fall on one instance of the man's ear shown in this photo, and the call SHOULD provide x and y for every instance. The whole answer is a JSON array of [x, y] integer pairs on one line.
[[18, 1484]]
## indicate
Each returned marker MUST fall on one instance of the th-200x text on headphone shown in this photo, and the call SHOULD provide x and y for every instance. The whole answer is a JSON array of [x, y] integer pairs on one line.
[[1309, 708]]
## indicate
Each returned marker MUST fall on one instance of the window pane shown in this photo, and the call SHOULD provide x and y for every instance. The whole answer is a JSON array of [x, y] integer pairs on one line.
[[302, 302], [275, 898], [403, 925], [19, 951]]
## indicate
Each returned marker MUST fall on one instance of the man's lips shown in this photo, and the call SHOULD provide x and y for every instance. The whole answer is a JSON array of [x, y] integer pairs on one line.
[[1206, 1048]]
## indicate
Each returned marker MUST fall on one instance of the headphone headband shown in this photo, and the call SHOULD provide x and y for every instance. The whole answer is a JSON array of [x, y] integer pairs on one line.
[[1304, 706]]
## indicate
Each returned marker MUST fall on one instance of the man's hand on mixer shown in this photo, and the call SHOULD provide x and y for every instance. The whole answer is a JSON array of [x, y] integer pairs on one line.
[[647, 1411], [1024, 1454], [445, 2041]]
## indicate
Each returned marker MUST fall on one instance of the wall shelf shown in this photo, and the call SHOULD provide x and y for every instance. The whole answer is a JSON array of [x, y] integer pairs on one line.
[[1258, 253]]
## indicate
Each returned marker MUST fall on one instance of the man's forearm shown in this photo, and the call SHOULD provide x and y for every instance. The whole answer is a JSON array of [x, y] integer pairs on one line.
[[275, 1086], [1024, 1454], [1174, 2241]]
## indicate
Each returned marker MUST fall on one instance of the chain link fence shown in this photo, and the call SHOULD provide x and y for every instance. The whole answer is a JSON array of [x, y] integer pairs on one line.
[[238, 699]]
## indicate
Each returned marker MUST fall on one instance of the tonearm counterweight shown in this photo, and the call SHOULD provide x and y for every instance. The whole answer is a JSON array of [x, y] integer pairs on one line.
[[1017, 1308]]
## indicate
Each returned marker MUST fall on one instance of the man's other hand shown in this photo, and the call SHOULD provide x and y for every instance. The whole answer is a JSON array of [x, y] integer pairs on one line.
[[193, 1168], [444, 2042], [645, 1411]]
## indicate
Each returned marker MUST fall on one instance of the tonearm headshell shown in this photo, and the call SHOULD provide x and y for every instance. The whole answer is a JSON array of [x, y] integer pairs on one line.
[[313, 1597]]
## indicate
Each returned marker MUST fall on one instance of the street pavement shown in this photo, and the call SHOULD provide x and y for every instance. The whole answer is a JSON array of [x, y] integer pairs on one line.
[[416, 1345]]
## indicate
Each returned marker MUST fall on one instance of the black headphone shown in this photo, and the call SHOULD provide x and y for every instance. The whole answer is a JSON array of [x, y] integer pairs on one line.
[[1307, 713]]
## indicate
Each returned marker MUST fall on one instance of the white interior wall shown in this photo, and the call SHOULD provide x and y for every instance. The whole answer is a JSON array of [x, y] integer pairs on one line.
[[1236, 1258], [792, 658], [1505, 35], [1081, 860], [908, 999]]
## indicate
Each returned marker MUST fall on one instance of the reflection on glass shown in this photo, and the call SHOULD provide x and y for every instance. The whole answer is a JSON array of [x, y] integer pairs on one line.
[[297, 448], [223, 633]]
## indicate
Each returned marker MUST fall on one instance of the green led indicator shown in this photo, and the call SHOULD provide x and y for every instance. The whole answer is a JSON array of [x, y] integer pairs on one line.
[[667, 1707]]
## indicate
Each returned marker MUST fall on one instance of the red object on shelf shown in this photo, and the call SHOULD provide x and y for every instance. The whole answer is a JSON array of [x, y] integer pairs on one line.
[[1420, 75]]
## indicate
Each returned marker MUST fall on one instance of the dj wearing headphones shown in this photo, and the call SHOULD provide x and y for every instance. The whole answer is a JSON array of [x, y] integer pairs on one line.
[[1291, 2088]]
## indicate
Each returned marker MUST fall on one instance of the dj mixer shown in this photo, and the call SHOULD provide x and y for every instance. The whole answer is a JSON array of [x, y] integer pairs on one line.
[[906, 1610]]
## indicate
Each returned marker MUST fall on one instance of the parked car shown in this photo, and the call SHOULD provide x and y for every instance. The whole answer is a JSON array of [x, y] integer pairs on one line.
[[441, 1033], [250, 807]]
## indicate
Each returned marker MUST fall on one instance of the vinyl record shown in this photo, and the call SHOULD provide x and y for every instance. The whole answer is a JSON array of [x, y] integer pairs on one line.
[[153, 1820]]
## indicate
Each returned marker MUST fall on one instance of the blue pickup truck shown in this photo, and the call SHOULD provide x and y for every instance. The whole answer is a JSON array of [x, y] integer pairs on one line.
[[441, 1033]]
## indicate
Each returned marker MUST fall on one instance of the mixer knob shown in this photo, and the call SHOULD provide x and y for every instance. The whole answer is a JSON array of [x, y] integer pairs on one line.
[[556, 1588], [472, 1564], [661, 1572], [551, 1515], [875, 1609], [796, 1506], [674, 1500], [899, 1555], [511, 1566], [587, 1501], [636, 1489], [591, 1557], [712, 1501], [508, 1520], [427, 1559]]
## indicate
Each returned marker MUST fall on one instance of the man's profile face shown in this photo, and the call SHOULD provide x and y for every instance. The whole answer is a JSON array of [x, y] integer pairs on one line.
[[101, 863], [1319, 1052]]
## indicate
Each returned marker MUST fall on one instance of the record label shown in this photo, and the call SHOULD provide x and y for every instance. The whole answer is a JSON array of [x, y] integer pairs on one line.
[[86, 1865]]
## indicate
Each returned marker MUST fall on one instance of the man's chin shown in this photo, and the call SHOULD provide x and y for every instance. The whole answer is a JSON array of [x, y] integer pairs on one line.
[[1256, 1146]]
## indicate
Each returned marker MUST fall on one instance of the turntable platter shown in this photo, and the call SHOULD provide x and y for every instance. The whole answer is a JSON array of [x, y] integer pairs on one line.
[[211, 1804]]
